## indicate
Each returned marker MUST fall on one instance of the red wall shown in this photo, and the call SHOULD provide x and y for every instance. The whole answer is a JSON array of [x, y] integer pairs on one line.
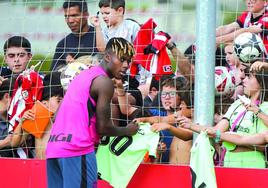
[[31, 174]]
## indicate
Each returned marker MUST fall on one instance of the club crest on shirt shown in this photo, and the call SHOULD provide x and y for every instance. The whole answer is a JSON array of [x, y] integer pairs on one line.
[[167, 68], [141, 131], [25, 94]]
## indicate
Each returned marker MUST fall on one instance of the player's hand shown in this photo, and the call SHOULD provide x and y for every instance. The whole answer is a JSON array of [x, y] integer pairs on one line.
[[132, 128], [258, 66], [151, 120], [118, 83]]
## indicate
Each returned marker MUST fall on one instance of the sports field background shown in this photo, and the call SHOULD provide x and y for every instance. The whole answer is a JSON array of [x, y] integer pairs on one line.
[[42, 21]]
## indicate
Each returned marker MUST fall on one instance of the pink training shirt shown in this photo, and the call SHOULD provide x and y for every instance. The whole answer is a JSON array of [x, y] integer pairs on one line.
[[74, 132]]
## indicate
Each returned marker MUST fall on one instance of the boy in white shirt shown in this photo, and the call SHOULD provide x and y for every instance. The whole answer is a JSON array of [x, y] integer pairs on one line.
[[116, 26]]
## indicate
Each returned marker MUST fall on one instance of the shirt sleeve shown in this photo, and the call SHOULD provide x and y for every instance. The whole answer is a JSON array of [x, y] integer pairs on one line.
[[241, 19], [231, 110], [264, 24], [105, 34]]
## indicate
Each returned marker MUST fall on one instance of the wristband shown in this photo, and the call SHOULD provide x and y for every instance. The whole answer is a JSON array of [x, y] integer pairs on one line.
[[218, 136], [257, 113]]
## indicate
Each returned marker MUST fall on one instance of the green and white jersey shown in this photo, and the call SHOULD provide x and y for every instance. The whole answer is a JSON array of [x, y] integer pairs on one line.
[[247, 123], [201, 163], [119, 157]]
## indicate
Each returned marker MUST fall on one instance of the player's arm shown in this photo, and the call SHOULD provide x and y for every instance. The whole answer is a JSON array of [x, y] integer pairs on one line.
[[226, 29], [256, 139], [102, 90], [123, 101], [157, 119]]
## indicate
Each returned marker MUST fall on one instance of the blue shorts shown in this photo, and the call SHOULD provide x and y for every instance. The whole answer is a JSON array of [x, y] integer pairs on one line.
[[72, 172]]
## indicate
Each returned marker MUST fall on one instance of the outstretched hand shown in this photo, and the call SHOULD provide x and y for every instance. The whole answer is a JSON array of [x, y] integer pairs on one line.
[[157, 127], [184, 122]]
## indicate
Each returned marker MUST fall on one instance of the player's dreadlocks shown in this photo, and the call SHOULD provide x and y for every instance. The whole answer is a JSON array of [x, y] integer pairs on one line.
[[121, 47]]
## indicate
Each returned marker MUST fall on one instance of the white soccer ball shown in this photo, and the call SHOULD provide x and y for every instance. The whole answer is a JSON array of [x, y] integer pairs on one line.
[[69, 72], [224, 81], [248, 47]]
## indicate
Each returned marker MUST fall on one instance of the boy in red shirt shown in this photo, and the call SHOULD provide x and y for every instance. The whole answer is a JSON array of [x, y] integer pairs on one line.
[[254, 20]]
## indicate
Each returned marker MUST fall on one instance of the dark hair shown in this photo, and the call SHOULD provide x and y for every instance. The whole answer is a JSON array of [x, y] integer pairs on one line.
[[182, 87], [52, 86], [114, 4], [6, 87], [154, 83], [17, 41], [190, 52], [82, 4], [120, 47], [262, 78]]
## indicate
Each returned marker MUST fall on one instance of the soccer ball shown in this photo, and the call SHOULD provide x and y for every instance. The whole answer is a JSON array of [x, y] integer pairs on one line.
[[248, 47], [69, 72], [224, 81]]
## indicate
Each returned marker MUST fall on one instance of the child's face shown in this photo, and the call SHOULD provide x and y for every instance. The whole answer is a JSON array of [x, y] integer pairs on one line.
[[255, 6], [111, 16], [17, 59], [53, 103], [231, 58], [251, 85], [170, 98]]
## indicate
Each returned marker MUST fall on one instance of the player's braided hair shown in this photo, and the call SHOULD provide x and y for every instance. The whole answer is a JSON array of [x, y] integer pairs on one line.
[[120, 47]]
